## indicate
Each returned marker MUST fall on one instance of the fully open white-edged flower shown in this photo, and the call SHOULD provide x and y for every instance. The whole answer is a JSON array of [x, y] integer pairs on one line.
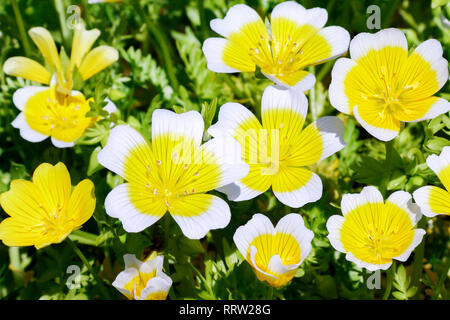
[[297, 39], [279, 150], [434, 200], [173, 174], [274, 253], [372, 232], [46, 112], [382, 86], [143, 280]]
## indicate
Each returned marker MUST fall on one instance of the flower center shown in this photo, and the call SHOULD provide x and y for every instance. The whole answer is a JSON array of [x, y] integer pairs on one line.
[[65, 114], [277, 58], [58, 115], [389, 97]]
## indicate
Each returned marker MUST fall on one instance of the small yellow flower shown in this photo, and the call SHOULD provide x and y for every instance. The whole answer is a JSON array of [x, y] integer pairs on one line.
[[296, 40], [383, 86], [274, 253], [173, 174], [45, 211], [89, 62], [143, 280], [433, 200], [373, 232], [46, 112], [279, 150]]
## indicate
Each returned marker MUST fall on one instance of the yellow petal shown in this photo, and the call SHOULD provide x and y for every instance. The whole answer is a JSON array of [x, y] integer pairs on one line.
[[23, 202], [44, 41], [97, 60], [13, 233], [386, 233], [82, 202], [81, 44], [26, 68], [54, 183]]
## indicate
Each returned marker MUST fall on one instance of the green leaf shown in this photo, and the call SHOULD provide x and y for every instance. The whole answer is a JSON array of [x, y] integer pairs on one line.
[[326, 286], [94, 166], [190, 247], [18, 171], [231, 258], [437, 143]]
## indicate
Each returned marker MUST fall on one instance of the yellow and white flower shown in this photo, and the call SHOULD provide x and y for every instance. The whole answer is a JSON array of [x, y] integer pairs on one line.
[[383, 86], [143, 280], [433, 200], [46, 210], [372, 232], [45, 112], [173, 174], [89, 62], [274, 253], [279, 150], [297, 40]]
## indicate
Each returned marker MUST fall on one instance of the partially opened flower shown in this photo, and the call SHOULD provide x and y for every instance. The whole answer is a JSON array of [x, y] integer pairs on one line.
[[46, 112], [382, 86], [279, 150], [46, 210], [296, 40], [434, 200], [173, 174], [89, 62], [274, 253], [372, 232], [143, 280]]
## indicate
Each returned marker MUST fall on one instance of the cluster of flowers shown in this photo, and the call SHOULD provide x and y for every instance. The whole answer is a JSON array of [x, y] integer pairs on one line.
[[381, 85]]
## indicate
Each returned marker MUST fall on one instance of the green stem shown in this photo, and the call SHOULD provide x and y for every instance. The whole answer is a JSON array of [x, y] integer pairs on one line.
[[84, 237], [21, 26], [418, 259], [86, 12], [390, 277], [438, 288], [269, 293], [312, 97], [387, 165], [388, 17], [89, 267], [201, 12], [324, 70], [14, 265], [59, 6]]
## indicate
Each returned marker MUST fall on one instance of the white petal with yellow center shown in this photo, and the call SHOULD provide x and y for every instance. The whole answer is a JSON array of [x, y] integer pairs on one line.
[[364, 42], [274, 253], [237, 16], [372, 232], [172, 174], [336, 91]]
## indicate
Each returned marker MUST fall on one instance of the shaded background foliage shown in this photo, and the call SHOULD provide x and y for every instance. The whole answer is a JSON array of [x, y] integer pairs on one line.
[[162, 66]]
